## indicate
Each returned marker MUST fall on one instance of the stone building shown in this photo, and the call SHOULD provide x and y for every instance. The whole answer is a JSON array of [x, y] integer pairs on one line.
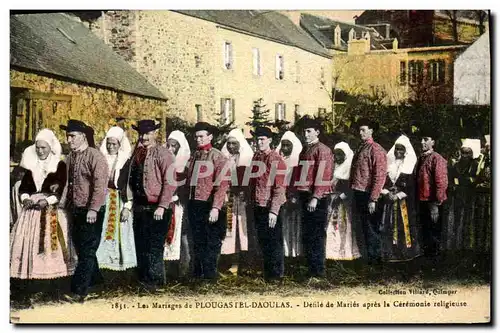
[[365, 62], [422, 28], [213, 64], [472, 74], [60, 70]]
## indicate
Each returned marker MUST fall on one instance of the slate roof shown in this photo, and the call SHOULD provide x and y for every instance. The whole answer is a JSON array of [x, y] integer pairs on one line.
[[58, 44], [322, 29], [264, 23]]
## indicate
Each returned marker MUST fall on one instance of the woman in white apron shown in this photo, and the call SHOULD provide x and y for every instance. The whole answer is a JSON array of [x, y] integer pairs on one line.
[[178, 241], [40, 242], [117, 248]]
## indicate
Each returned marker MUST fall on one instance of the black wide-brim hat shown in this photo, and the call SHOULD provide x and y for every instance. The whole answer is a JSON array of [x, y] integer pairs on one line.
[[146, 126], [367, 122], [75, 126], [309, 122], [262, 131], [204, 126], [79, 126]]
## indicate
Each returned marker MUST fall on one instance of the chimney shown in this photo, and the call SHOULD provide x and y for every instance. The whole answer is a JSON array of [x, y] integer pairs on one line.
[[337, 36], [352, 34], [395, 44]]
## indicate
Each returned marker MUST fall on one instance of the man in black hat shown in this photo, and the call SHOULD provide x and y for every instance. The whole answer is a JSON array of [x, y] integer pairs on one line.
[[84, 196], [207, 191], [150, 183], [268, 191], [368, 174], [313, 181]]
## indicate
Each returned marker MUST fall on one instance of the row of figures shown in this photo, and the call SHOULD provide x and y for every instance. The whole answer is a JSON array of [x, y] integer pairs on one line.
[[118, 207]]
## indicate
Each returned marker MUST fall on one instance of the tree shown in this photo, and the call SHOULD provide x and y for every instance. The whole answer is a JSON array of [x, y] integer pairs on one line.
[[481, 16], [453, 15], [260, 115]]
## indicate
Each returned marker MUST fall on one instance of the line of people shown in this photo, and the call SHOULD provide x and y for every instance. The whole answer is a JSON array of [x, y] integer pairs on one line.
[[120, 207]]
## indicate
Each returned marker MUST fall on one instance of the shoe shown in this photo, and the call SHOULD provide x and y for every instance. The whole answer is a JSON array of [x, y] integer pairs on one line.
[[74, 298]]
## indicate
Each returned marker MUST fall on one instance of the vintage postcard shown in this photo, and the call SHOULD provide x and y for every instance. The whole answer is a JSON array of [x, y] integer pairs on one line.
[[250, 166]]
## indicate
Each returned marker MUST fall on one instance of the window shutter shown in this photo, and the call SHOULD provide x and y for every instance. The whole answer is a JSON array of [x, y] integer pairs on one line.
[[284, 111], [441, 70], [277, 67], [254, 56], [223, 114], [282, 67], [231, 58], [224, 55], [276, 110], [233, 112]]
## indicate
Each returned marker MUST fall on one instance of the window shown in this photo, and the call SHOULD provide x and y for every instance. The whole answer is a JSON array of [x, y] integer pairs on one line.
[[322, 78], [280, 67], [402, 72], [321, 112], [297, 72], [296, 112], [257, 70], [280, 111], [436, 71], [227, 110], [228, 55], [199, 114], [416, 71]]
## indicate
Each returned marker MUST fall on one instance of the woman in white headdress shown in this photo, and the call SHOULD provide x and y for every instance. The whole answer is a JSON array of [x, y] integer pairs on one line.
[[400, 240], [40, 244], [117, 248], [461, 232], [178, 241], [290, 148], [341, 241], [240, 236]]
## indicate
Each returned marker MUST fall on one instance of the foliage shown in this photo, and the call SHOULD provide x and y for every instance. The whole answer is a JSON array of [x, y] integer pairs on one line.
[[260, 115]]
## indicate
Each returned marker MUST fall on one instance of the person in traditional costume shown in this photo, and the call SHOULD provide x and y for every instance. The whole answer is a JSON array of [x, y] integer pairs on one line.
[[269, 194], [461, 228], [341, 241], [150, 183], [289, 148], [400, 238], [117, 248], [207, 191], [179, 243], [432, 184], [240, 233], [368, 174], [40, 243], [85, 197], [482, 215], [313, 181]]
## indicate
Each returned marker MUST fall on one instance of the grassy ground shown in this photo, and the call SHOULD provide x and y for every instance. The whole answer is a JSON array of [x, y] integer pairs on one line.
[[417, 273]]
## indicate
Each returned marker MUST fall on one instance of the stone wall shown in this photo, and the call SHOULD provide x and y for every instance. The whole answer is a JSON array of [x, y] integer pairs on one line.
[[98, 107], [183, 57]]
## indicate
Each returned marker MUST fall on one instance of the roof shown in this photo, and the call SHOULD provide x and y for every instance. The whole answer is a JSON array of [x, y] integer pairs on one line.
[[265, 24], [56, 43], [322, 29]]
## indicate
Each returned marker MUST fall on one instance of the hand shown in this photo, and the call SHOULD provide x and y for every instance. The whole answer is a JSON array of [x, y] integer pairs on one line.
[[434, 212], [91, 216], [371, 207], [42, 203], [28, 203], [272, 220], [125, 215], [312, 205], [158, 214], [214, 215]]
